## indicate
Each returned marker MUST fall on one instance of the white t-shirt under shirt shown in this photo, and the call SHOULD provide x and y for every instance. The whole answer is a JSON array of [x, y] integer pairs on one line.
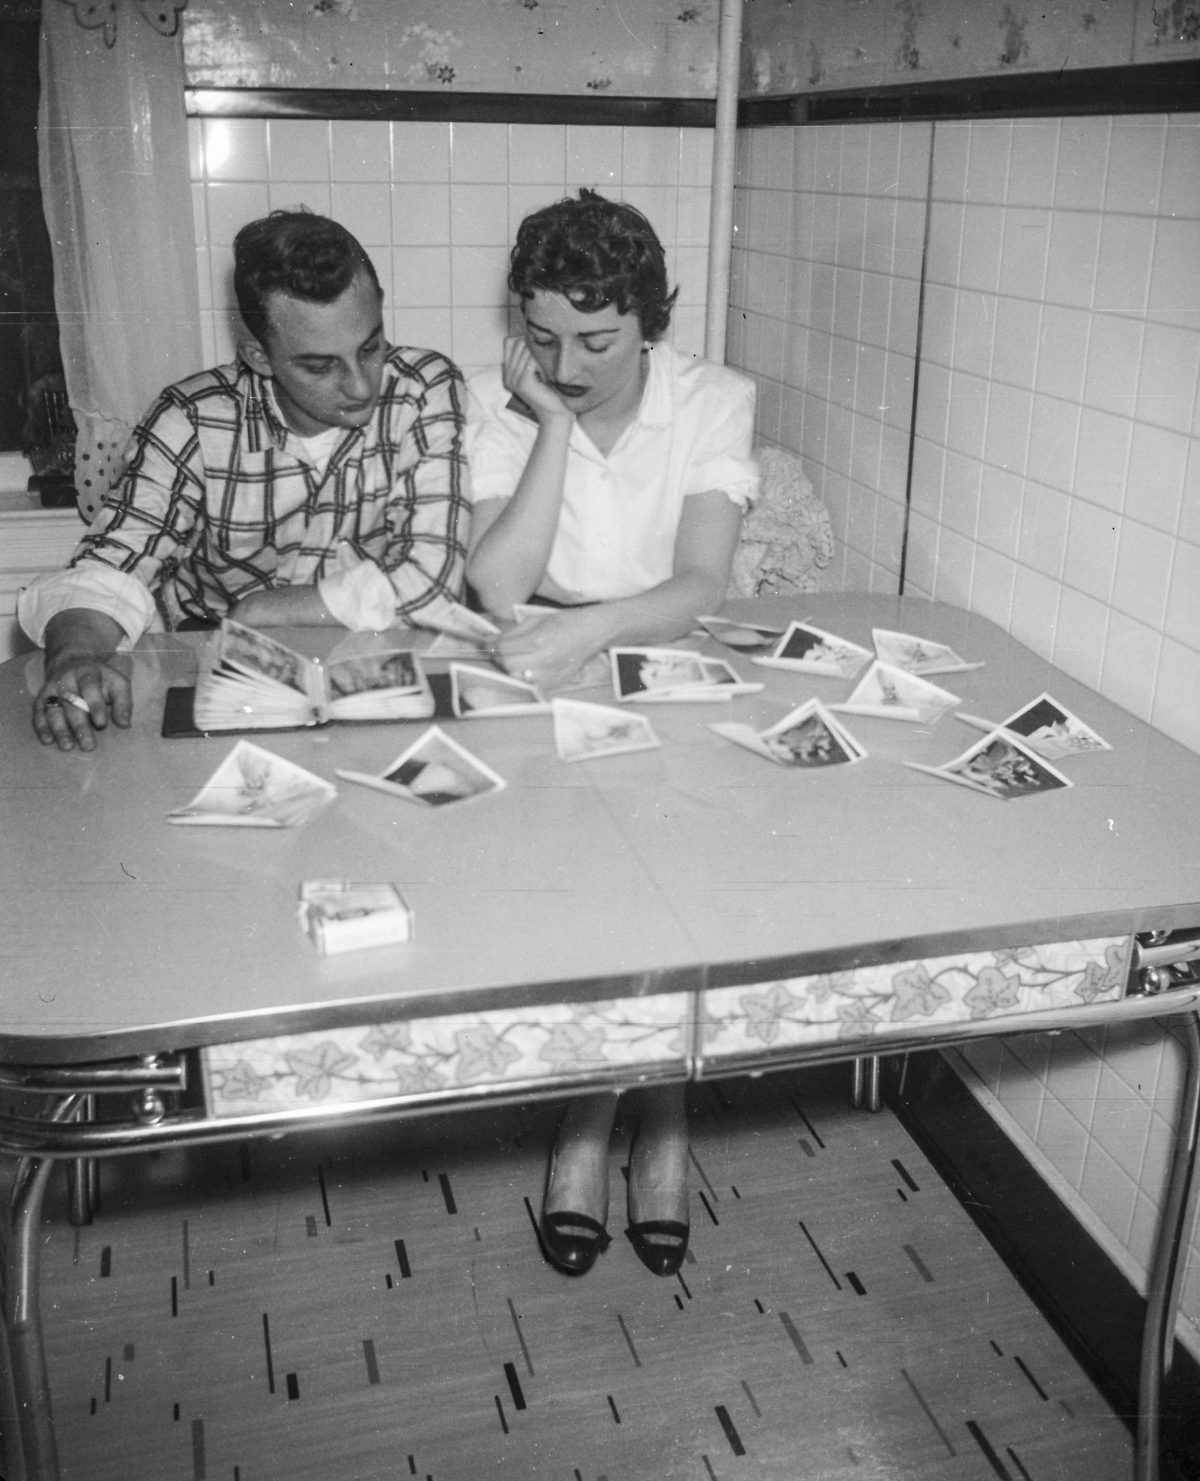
[[620, 513], [319, 448]]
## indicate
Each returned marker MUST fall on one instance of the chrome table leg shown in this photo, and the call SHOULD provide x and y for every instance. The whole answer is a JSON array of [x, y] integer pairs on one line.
[[1170, 1254], [81, 1174], [872, 1098], [30, 1385], [864, 1084]]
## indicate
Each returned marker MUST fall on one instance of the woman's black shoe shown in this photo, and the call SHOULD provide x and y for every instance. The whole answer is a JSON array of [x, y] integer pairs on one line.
[[573, 1253], [661, 1259]]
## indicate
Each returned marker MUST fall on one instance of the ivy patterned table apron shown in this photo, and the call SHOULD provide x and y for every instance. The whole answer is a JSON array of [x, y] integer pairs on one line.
[[717, 1030]]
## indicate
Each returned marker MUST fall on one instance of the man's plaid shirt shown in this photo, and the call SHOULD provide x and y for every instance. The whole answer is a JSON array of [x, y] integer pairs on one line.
[[218, 500]]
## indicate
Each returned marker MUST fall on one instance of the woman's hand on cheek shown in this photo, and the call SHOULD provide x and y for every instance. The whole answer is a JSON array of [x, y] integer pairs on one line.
[[523, 378], [550, 651]]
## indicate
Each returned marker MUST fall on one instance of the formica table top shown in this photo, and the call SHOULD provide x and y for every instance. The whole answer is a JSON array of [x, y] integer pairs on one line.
[[696, 864]]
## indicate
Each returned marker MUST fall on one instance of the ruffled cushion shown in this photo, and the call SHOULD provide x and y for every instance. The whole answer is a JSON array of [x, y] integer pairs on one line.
[[786, 537]]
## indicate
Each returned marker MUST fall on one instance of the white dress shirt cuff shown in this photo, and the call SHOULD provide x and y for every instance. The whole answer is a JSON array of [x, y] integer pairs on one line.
[[93, 585], [360, 596]]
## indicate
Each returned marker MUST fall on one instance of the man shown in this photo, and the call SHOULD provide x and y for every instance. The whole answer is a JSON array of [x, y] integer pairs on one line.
[[319, 479]]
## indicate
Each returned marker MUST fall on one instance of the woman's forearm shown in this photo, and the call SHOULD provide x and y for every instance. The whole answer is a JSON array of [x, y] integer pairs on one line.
[[665, 612], [550, 651], [510, 556]]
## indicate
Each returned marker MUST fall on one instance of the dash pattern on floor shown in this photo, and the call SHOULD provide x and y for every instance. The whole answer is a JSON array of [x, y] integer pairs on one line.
[[372, 1305]]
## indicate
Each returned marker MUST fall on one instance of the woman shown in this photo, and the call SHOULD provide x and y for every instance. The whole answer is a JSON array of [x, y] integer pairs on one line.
[[609, 478]]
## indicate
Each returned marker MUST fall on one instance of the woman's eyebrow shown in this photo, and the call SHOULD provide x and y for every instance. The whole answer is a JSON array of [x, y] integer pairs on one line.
[[583, 333]]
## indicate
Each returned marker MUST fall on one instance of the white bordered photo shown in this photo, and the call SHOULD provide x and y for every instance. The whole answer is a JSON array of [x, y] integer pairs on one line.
[[253, 788], [533, 611], [457, 621], [657, 675], [583, 731], [811, 650], [742, 637], [1000, 765], [488, 693], [889, 693], [918, 655], [1048, 728], [722, 674], [808, 737], [434, 772]]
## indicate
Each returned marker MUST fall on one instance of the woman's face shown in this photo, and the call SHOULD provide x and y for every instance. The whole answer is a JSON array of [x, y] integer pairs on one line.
[[593, 360]]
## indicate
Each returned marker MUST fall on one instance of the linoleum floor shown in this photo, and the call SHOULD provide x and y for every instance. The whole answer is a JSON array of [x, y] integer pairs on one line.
[[372, 1305]]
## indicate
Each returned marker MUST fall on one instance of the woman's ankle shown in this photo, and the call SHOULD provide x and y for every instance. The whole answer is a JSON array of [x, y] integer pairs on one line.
[[658, 1179], [578, 1175]]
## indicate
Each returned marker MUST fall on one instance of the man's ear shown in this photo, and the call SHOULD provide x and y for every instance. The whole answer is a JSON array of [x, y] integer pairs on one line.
[[252, 352]]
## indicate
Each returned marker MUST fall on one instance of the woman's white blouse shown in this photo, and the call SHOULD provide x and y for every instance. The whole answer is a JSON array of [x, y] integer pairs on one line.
[[620, 513]]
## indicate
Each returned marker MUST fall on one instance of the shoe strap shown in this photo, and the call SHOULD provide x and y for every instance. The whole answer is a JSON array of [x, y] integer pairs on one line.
[[560, 1218], [661, 1226]]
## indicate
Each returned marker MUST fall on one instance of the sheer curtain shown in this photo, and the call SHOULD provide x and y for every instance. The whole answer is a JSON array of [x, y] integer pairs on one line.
[[113, 157]]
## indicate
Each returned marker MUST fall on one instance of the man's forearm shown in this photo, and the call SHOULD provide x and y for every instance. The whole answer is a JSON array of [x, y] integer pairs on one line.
[[285, 606], [81, 632]]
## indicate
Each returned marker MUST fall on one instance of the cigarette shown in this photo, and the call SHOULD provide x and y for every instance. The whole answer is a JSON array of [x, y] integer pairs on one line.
[[76, 700]]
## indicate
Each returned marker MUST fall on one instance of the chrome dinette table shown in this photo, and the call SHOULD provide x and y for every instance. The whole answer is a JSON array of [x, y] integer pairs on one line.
[[682, 913]]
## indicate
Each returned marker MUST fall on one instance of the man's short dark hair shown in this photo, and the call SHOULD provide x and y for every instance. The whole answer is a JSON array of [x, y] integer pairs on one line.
[[594, 252], [298, 253]]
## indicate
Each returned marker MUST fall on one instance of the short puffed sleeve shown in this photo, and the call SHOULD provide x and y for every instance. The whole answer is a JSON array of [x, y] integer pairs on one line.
[[719, 411]]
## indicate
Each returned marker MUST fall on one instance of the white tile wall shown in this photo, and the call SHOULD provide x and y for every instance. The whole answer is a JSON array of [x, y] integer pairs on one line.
[[829, 225], [1090, 452], [437, 205], [1056, 470], [1088, 342], [1096, 1113]]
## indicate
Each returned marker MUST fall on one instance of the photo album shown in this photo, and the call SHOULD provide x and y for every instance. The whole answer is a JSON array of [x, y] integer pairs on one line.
[[250, 681]]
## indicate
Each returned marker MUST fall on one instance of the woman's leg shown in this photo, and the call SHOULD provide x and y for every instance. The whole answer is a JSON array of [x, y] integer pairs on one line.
[[576, 1203], [658, 1197]]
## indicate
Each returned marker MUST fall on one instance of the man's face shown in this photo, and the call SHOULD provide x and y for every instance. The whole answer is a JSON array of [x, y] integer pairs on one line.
[[325, 359]]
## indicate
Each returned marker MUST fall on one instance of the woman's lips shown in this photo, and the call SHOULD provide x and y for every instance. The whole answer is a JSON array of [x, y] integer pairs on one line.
[[570, 390]]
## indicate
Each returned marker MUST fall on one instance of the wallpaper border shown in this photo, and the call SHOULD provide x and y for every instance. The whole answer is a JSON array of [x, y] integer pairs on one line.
[[382, 104], [1151, 87]]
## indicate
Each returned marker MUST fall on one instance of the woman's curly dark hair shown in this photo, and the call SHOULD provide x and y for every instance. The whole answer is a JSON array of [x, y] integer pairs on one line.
[[594, 252], [298, 253]]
